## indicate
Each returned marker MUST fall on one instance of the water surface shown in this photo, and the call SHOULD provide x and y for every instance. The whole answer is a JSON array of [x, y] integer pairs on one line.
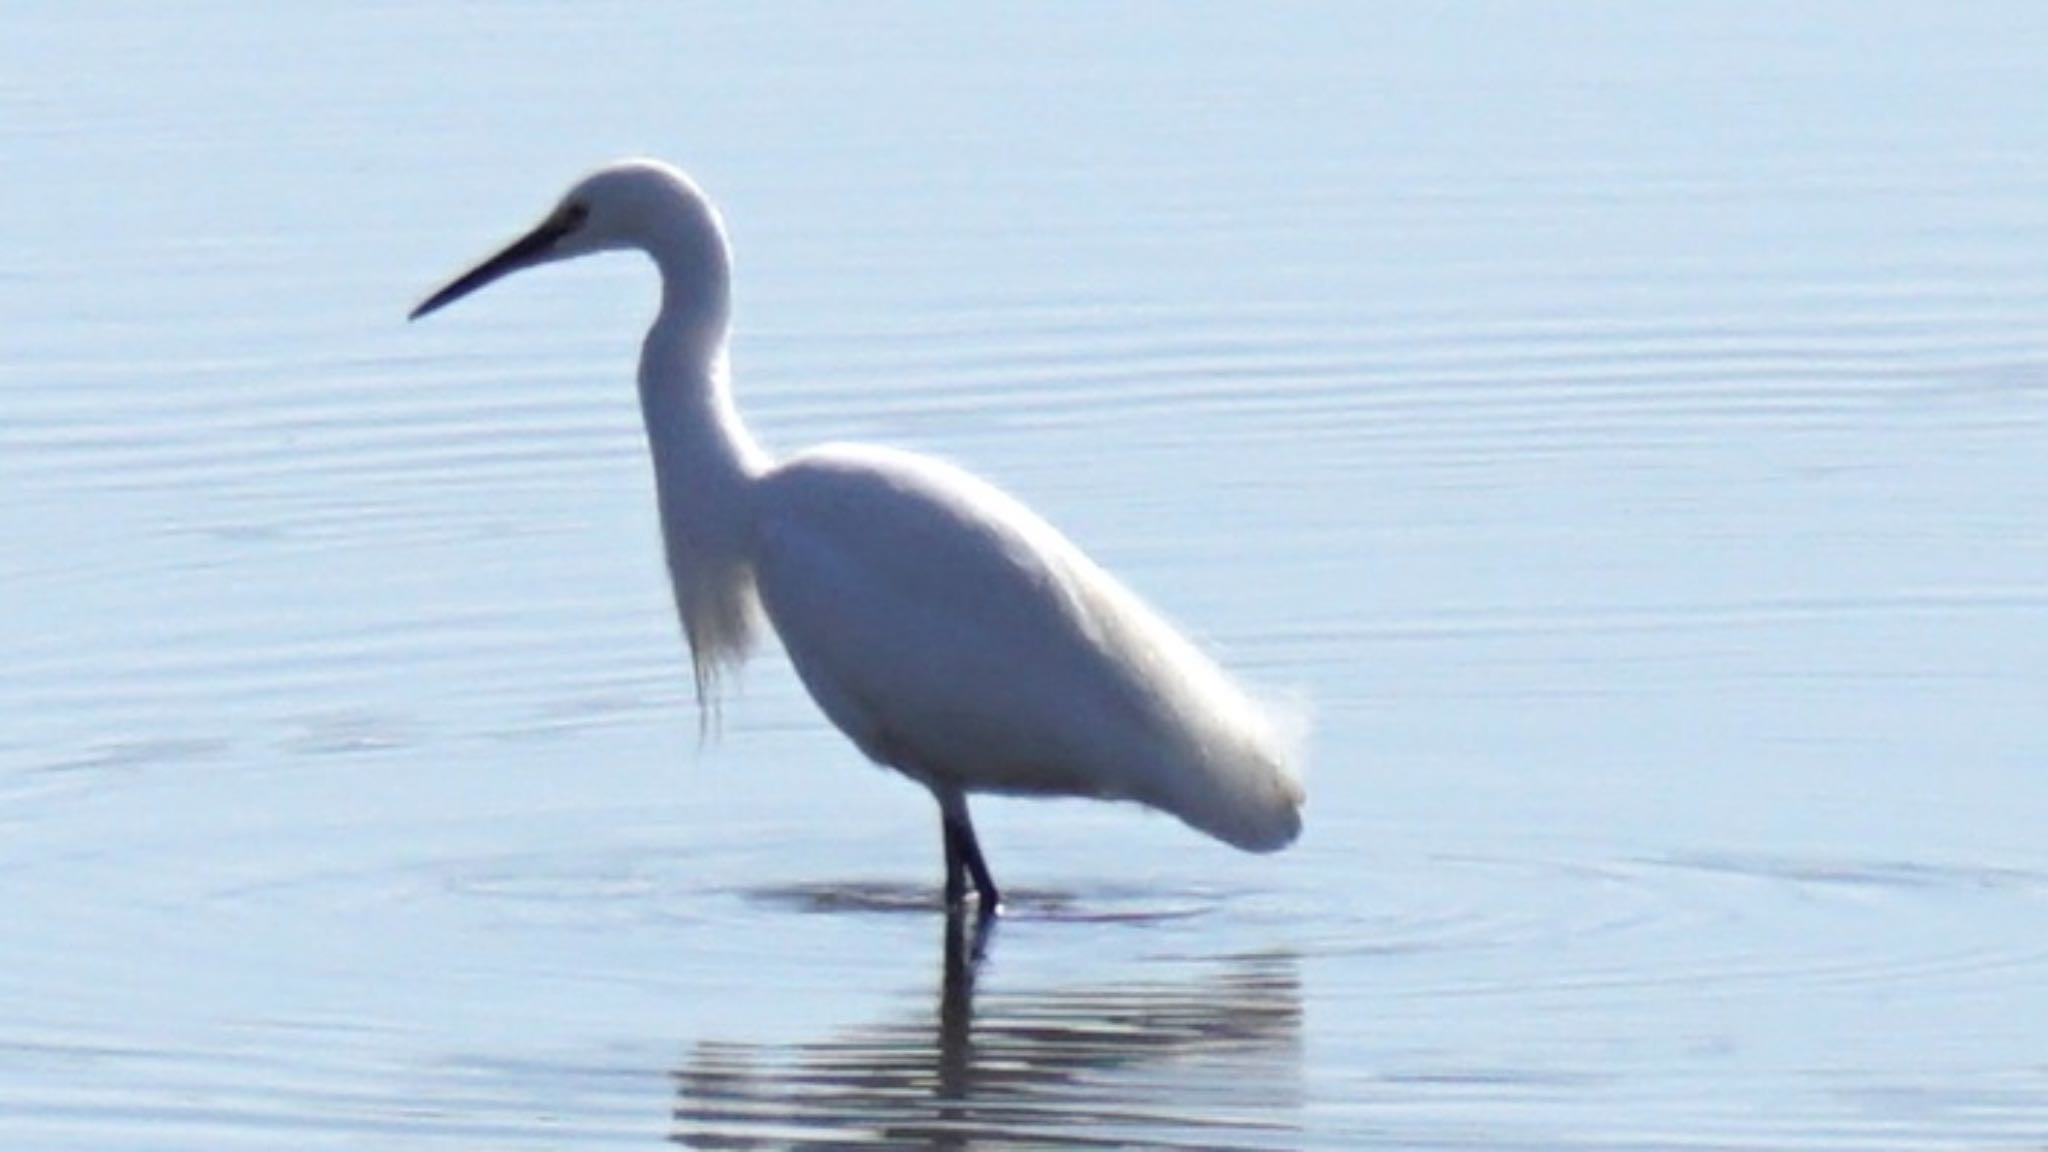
[[1621, 428]]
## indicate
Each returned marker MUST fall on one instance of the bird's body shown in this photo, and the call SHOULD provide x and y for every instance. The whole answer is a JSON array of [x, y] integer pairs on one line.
[[945, 628], [957, 637]]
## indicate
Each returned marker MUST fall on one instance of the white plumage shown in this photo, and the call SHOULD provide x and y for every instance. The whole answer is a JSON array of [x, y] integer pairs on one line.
[[944, 627]]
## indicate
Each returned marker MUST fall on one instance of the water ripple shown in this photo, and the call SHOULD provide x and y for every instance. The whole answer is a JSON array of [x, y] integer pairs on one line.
[[1208, 1061]]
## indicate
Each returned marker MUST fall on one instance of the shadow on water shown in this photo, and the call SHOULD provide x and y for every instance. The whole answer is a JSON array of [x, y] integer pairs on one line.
[[1102, 904], [1210, 1060]]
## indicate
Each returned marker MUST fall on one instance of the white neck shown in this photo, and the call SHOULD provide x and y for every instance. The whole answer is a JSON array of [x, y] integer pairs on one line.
[[705, 463]]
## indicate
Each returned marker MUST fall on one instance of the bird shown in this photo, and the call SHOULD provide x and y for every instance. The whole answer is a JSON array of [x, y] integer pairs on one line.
[[946, 629]]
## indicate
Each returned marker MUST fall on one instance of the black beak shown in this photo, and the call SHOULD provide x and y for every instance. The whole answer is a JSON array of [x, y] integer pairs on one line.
[[524, 252]]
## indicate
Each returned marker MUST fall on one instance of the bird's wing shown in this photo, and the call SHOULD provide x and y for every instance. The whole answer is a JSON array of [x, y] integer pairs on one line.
[[940, 624]]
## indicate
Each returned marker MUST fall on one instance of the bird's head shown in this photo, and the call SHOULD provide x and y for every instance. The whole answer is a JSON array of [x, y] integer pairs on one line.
[[641, 204]]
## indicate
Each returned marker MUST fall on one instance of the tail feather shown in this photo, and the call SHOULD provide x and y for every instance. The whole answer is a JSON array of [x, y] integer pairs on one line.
[[1238, 786], [1220, 761]]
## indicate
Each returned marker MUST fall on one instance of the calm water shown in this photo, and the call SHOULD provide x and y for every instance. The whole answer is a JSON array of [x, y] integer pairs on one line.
[[1624, 427]]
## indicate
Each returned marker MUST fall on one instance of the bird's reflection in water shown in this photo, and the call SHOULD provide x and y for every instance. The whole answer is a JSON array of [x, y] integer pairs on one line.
[[1210, 1060]]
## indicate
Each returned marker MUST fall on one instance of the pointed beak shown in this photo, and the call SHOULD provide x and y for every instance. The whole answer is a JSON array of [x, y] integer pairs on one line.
[[525, 252]]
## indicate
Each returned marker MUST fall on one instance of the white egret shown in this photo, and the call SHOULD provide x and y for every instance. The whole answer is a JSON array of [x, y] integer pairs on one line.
[[945, 628]]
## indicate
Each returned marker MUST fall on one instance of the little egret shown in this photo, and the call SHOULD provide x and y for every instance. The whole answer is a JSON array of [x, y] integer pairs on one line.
[[945, 628]]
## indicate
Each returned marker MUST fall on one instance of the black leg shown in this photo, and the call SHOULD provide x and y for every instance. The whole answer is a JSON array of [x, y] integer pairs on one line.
[[956, 872], [970, 848], [963, 858]]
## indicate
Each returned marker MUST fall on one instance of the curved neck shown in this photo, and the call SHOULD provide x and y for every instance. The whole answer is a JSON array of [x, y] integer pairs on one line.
[[705, 463], [700, 445], [684, 391]]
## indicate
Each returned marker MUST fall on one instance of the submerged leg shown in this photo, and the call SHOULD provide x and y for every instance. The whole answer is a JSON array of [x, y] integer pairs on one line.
[[963, 857]]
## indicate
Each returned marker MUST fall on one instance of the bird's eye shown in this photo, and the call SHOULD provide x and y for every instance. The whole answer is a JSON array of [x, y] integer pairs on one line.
[[573, 216]]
